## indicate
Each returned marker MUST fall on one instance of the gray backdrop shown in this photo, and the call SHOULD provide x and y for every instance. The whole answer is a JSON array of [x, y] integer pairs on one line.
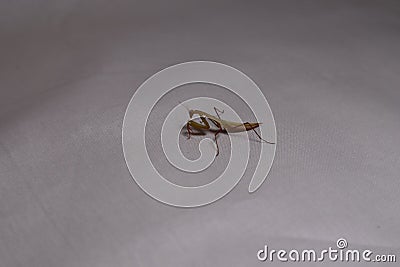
[[331, 73]]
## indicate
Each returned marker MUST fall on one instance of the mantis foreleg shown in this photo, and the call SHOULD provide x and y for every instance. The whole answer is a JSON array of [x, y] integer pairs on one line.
[[191, 123]]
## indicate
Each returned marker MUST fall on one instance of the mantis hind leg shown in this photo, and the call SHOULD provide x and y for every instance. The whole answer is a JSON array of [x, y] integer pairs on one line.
[[258, 135]]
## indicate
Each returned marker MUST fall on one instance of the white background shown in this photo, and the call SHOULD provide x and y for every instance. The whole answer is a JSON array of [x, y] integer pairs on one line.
[[329, 69]]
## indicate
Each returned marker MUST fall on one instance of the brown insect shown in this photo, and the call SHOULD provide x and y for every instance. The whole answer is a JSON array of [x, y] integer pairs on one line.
[[205, 121]]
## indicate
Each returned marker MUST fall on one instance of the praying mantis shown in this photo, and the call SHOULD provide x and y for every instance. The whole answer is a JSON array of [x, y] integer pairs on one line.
[[222, 126]]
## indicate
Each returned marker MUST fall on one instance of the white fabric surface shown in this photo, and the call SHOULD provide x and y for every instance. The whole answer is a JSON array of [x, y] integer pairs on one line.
[[330, 70]]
